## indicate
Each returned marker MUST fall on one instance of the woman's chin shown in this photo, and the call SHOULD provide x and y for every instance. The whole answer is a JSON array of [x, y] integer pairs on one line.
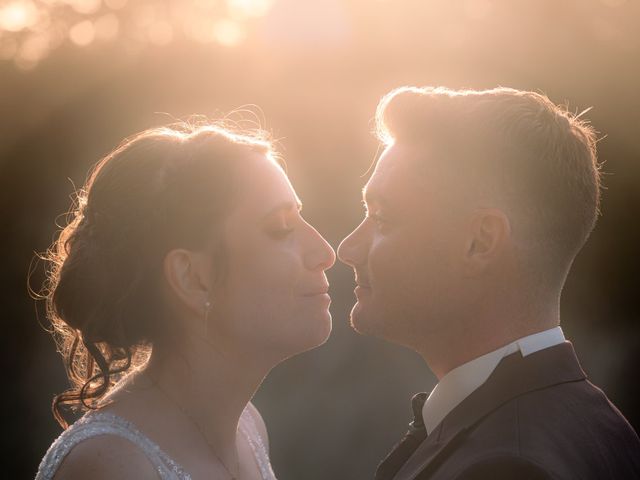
[[324, 332], [316, 331]]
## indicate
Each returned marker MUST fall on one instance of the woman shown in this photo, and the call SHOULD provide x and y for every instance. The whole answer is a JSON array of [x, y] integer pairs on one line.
[[184, 276]]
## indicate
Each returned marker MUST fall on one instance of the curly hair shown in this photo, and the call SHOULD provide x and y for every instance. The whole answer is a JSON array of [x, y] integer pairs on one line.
[[161, 189]]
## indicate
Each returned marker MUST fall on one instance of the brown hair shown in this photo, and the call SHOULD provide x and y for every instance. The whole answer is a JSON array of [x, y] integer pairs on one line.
[[163, 188], [535, 156]]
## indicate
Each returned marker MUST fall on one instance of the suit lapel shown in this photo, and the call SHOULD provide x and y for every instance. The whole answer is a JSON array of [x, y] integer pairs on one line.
[[433, 446], [514, 376]]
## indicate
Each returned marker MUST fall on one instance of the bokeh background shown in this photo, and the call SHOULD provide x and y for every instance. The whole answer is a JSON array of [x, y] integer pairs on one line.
[[76, 76]]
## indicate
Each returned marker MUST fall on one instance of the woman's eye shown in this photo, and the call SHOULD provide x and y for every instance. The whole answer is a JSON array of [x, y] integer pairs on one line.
[[281, 233]]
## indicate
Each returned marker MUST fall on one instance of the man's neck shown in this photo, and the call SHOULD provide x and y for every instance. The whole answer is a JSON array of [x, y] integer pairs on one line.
[[443, 353]]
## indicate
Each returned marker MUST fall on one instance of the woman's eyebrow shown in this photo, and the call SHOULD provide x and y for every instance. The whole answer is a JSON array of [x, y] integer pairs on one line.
[[284, 206]]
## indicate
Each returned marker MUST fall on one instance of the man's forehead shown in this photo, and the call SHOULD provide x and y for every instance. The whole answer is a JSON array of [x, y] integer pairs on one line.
[[391, 177]]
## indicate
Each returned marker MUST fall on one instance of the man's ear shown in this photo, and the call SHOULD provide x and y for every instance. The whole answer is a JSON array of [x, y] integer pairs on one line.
[[489, 236], [188, 275]]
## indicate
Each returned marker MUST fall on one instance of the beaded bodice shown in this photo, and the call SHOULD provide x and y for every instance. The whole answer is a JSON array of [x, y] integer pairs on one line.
[[103, 423]]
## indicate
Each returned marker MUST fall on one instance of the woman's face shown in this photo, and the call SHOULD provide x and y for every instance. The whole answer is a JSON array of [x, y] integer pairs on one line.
[[273, 298]]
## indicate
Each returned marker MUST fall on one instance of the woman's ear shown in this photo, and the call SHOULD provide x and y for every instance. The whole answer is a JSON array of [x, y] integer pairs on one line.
[[188, 275], [489, 237]]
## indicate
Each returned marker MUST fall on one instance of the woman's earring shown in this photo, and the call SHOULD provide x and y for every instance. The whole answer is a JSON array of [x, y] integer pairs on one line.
[[207, 309]]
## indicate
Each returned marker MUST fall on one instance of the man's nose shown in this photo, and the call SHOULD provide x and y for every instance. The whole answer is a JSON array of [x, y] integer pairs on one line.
[[353, 249]]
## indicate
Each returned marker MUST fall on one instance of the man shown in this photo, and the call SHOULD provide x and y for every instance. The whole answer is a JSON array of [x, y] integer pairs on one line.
[[475, 212]]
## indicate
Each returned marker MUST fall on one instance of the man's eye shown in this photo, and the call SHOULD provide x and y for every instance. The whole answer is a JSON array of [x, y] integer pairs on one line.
[[377, 219]]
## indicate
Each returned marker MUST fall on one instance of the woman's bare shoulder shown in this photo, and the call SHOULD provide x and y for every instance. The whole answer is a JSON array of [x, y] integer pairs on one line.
[[106, 457]]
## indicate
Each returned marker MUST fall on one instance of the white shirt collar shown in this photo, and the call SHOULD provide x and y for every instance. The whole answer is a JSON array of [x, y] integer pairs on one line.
[[460, 382]]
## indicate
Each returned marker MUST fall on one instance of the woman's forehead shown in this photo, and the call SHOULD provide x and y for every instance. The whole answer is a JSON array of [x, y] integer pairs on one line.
[[264, 187]]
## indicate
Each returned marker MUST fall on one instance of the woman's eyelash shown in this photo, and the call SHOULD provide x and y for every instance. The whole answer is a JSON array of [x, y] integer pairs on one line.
[[282, 232]]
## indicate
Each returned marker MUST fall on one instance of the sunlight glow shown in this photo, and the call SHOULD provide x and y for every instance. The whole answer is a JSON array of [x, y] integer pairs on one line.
[[228, 32], [115, 4], [17, 16], [31, 29], [107, 27], [86, 7], [82, 33], [160, 33], [8, 49], [249, 8], [34, 49], [477, 9]]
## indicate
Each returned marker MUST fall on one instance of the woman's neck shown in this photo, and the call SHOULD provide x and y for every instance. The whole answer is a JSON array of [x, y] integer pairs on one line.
[[211, 387]]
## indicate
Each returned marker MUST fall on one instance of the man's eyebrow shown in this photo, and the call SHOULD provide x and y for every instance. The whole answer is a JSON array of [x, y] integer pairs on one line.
[[286, 206]]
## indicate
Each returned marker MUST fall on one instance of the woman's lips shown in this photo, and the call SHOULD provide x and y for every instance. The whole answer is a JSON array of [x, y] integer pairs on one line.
[[322, 298], [315, 293]]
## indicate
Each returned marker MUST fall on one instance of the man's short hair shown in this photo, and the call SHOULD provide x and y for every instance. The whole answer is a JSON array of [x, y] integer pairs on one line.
[[534, 157]]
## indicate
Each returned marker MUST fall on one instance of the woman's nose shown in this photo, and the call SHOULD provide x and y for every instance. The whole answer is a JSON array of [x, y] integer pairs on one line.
[[321, 256]]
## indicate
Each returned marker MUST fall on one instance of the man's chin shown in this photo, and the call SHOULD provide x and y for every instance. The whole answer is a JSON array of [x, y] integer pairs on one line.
[[362, 321], [368, 321]]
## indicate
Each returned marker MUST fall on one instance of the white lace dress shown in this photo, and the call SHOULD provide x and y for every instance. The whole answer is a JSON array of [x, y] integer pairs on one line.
[[103, 423]]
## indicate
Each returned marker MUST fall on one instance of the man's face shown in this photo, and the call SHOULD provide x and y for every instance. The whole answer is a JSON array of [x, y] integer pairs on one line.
[[405, 251]]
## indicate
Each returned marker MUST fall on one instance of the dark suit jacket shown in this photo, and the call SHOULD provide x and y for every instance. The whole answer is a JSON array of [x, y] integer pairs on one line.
[[536, 417]]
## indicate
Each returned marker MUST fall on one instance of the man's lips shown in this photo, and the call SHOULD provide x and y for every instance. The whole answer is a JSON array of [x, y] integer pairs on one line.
[[361, 282], [363, 287], [362, 291]]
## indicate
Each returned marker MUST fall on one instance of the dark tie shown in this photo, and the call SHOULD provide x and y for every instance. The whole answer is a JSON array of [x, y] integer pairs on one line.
[[405, 448]]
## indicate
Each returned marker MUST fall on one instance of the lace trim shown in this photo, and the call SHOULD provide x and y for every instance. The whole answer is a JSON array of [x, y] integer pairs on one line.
[[104, 423], [248, 428], [100, 423]]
